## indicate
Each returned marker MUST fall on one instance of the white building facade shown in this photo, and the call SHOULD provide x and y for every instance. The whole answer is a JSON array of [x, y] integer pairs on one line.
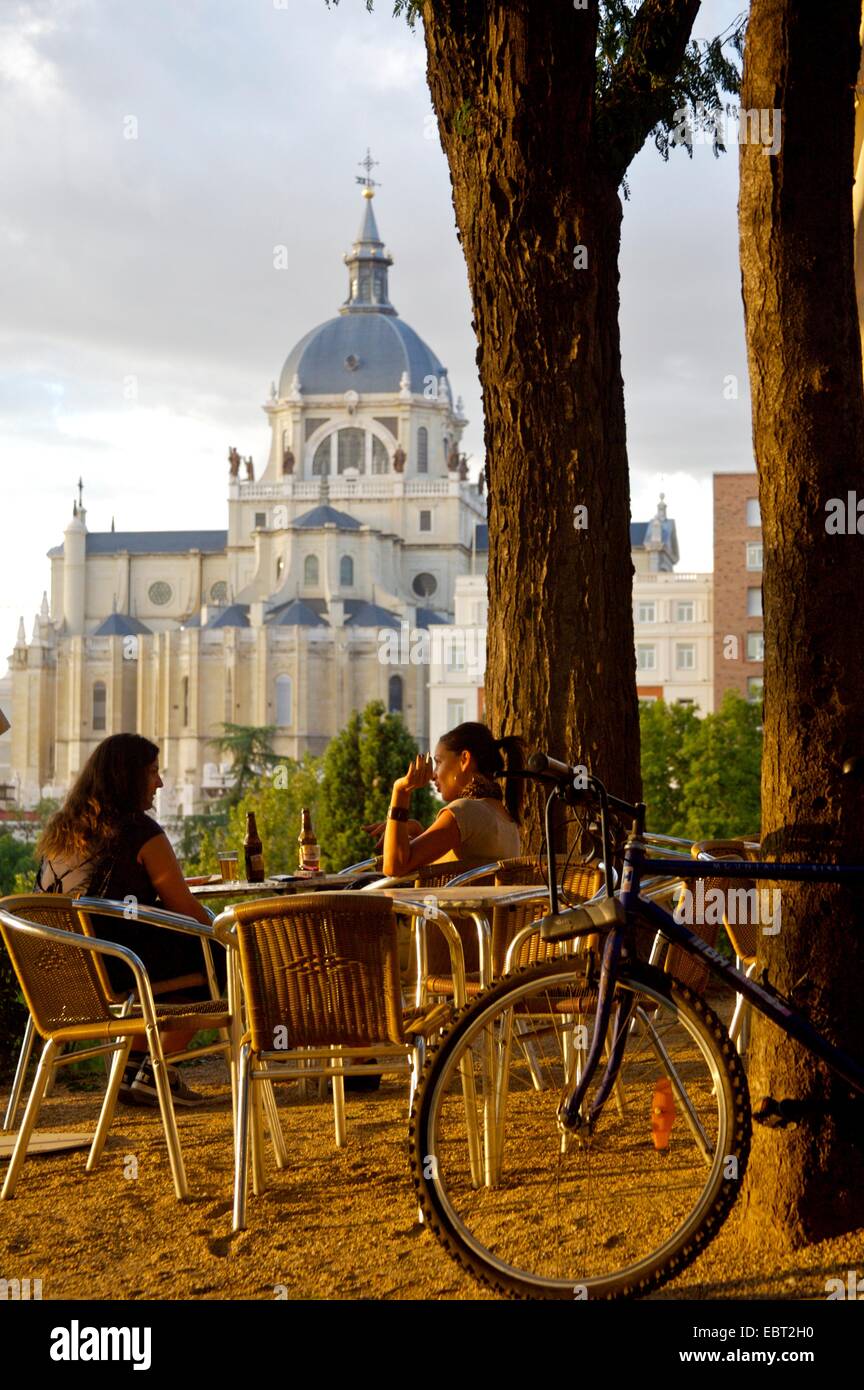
[[361, 522]]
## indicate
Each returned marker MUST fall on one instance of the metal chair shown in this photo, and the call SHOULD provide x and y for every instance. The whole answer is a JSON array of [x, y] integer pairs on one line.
[[149, 916], [61, 972], [744, 935], [320, 978]]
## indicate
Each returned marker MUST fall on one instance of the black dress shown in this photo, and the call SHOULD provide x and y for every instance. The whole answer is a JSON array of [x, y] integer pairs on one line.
[[119, 876]]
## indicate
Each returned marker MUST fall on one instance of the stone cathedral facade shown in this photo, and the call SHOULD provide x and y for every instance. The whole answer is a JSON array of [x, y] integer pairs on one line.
[[361, 522]]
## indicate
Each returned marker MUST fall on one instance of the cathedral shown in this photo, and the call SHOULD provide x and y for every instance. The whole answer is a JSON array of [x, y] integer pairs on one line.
[[357, 529]]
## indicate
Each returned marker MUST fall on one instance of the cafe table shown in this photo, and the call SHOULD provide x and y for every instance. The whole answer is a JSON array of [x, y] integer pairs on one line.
[[274, 887]]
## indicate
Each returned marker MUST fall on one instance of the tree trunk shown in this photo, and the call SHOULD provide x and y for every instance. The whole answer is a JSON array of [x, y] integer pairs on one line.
[[803, 343], [514, 94]]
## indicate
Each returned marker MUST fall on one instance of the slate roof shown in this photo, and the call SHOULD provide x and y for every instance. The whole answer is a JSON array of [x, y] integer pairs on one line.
[[383, 344], [152, 542], [325, 515], [121, 625], [297, 613]]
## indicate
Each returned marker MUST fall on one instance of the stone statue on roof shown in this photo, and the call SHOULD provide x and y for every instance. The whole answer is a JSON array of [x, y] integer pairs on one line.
[[287, 461], [250, 470], [399, 459], [234, 461]]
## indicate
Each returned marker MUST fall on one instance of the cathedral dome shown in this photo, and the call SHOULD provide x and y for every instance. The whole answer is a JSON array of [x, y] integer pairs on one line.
[[367, 353], [367, 348]]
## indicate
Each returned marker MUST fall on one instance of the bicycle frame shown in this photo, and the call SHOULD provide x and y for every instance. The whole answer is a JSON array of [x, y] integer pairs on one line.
[[631, 909]]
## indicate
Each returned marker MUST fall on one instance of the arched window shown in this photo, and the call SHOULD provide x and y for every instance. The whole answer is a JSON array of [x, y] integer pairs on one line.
[[284, 700], [310, 569], [280, 565], [395, 694], [380, 457], [100, 706], [321, 459], [422, 450], [350, 445], [346, 571], [185, 702]]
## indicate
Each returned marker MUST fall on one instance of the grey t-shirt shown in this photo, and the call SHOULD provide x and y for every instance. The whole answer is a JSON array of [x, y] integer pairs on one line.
[[486, 833]]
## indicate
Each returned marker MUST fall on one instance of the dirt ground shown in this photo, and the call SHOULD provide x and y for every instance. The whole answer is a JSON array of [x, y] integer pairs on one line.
[[335, 1224]]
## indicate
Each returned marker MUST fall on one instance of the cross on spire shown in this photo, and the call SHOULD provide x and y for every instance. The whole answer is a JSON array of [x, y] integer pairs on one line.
[[368, 164], [80, 494]]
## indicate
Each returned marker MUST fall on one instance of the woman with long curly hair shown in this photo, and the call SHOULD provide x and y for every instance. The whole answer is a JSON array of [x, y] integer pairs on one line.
[[101, 843]]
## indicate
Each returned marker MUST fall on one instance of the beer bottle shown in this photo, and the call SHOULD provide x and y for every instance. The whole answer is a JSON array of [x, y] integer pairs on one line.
[[254, 851], [310, 854]]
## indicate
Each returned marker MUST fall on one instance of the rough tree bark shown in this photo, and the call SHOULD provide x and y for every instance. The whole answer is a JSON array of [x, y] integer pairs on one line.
[[535, 167], [804, 353]]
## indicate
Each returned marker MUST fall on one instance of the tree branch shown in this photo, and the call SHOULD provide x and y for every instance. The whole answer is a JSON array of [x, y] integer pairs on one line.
[[643, 80]]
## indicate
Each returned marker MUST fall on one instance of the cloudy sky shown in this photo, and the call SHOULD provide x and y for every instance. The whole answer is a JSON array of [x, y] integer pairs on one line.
[[152, 156]]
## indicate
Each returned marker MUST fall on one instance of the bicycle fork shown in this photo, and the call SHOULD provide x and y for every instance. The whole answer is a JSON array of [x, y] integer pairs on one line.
[[569, 1114]]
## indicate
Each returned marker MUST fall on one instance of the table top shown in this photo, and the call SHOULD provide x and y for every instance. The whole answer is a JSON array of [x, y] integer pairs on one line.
[[270, 888], [469, 897]]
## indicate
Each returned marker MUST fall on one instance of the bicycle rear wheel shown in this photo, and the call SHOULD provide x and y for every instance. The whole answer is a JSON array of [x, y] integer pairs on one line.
[[538, 1215]]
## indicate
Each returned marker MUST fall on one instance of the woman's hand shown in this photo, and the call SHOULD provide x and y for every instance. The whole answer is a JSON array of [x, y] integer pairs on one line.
[[378, 828], [418, 775]]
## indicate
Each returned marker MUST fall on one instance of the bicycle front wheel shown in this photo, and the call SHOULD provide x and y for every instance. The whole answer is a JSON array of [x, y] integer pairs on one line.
[[538, 1214]]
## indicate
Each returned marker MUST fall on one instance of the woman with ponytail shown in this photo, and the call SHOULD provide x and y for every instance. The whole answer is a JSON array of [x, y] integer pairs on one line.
[[480, 821]]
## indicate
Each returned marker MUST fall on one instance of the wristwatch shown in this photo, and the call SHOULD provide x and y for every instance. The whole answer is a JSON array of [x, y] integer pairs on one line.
[[397, 813]]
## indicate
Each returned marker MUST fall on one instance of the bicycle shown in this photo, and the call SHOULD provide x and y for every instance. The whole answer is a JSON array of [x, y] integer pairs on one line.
[[551, 1166]]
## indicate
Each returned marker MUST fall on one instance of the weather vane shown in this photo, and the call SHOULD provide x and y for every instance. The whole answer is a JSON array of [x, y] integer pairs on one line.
[[368, 164]]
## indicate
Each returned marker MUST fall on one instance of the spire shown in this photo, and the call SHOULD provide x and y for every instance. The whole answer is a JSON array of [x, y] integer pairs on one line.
[[22, 635], [44, 611], [367, 261]]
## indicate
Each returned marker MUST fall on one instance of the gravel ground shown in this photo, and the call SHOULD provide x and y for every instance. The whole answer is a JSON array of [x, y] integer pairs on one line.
[[335, 1224]]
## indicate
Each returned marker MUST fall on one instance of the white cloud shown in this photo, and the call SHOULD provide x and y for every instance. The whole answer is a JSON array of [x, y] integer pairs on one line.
[[23, 68]]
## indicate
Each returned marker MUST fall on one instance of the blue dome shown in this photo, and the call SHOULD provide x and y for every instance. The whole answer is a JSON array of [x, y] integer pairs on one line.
[[367, 353]]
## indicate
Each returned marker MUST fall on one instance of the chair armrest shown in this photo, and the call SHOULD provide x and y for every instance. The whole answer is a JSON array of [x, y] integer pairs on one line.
[[361, 867], [451, 935], [470, 875], [150, 916]]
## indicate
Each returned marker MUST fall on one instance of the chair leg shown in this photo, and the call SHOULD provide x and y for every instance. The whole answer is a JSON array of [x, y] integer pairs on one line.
[[256, 1103], [31, 1114], [339, 1108], [241, 1138], [109, 1104], [169, 1121], [20, 1074], [271, 1110]]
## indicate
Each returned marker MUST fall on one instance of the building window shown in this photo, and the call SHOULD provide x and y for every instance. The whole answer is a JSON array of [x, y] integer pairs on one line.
[[260, 521], [310, 569], [321, 458], [346, 572], [219, 591], [380, 457], [755, 688], [754, 603], [685, 656], [754, 555], [422, 450], [646, 611], [646, 658], [683, 701], [100, 707], [753, 516], [424, 585], [755, 646], [284, 700], [280, 565], [685, 611], [185, 702], [350, 445], [425, 521], [313, 423], [456, 652], [455, 713], [160, 593], [395, 695]]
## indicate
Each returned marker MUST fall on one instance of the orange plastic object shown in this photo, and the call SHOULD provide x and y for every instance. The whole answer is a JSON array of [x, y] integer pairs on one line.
[[662, 1114]]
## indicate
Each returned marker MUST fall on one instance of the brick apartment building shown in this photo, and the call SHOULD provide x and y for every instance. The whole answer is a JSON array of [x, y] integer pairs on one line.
[[738, 631]]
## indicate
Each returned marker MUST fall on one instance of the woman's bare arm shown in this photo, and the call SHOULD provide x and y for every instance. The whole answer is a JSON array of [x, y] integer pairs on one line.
[[402, 854], [165, 874]]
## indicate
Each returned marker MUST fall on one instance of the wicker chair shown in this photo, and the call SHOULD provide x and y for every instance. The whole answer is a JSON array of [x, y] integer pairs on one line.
[[119, 999], [62, 975], [320, 975]]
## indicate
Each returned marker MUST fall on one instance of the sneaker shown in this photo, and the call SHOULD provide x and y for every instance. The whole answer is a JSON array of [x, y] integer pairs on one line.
[[145, 1093], [126, 1096]]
